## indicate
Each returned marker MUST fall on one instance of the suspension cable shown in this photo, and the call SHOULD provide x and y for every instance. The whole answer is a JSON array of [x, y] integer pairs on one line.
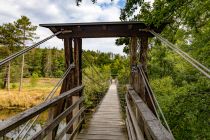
[[91, 79], [49, 96], [91, 64], [155, 99], [203, 69], [149, 92], [23, 51]]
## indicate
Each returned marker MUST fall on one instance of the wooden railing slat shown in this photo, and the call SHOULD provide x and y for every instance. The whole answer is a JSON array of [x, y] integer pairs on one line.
[[151, 123], [21, 118], [76, 129], [70, 123], [133, 136], [50, 126], [131, 115]]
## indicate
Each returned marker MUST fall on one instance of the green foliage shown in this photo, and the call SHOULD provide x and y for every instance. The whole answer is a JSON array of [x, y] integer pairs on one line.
[[25, 29], [189, 116], [182, 91], [95, 85], [34, 79]]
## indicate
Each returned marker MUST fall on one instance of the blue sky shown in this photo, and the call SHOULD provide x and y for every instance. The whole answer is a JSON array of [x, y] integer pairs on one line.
[[65, 11]]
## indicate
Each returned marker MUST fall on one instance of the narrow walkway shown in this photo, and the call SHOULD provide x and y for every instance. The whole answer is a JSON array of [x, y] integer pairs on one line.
[[106, 123]]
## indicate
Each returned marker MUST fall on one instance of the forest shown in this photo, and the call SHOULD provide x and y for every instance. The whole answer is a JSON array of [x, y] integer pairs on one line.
[[183, 92]]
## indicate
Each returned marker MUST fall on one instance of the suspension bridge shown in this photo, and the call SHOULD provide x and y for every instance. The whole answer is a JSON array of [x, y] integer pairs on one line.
[[144, 117]]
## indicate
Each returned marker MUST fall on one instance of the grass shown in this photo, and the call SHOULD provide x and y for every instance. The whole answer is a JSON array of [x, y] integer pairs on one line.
[[30, 95]]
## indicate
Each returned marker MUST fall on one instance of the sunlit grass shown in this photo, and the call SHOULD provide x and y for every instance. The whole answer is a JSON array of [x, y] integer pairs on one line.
[[29, 96]]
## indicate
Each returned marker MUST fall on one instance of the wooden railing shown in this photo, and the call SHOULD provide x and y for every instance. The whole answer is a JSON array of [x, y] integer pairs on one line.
[[14, 122], [141, 122]]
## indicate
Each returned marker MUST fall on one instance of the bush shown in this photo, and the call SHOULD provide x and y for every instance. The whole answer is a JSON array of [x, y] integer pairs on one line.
[[34, 79]]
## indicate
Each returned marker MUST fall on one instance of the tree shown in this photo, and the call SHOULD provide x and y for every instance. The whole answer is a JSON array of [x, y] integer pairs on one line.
[[27, 33], [182, 91], [9, 38]]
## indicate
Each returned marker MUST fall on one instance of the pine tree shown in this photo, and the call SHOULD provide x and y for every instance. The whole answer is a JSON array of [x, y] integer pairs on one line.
[[27, 33], [8, 38]]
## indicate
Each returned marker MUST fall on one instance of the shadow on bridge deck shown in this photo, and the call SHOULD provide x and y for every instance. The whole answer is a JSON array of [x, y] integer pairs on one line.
[[107, 122]]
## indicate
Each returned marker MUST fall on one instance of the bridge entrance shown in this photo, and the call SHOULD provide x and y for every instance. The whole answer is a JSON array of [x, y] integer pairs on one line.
[[142, 120]]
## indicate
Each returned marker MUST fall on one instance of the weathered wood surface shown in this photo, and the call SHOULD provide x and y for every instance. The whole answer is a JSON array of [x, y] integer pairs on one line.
[[51, 125], [153, 128], [19, 119], [101, 29], [107, 122]]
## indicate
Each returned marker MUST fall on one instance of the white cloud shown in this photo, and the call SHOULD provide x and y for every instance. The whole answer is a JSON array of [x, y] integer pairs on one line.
[[58, 11]]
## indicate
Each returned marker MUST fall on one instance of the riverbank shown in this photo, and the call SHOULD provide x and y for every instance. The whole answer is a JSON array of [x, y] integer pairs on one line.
[[31, 94]]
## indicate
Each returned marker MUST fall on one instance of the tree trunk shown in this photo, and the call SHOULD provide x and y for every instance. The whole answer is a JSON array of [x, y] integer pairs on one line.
[[21, 74], [22, 65], [8, 78]]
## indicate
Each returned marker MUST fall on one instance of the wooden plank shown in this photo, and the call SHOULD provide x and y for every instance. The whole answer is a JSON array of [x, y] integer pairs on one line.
[[100, 137], [70, 123], [107, 122], [130, 124], [50, 126], [103, 133], [151, 123], [19, 119], [76, 129], [131, 115], [128, 130], [99, 129]]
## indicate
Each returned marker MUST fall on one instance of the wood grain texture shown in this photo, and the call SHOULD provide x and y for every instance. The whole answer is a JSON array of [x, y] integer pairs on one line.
[[19, 119], [106, 122]]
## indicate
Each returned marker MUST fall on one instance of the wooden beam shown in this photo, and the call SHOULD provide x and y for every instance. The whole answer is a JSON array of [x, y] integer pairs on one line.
[[50, 126], [70, 123], [143, 61], [152, 125], [101, 29], [130, 114], [77, 80], [133, 58], [19, 119], [66, 85]]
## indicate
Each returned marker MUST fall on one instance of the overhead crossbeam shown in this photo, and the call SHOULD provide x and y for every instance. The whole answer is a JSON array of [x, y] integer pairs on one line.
[[101, 29]]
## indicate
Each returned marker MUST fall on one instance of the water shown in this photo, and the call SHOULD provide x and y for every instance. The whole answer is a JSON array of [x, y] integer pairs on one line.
[[7, 113]]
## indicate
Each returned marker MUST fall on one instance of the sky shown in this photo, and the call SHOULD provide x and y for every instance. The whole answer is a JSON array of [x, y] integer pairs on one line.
[[65, 11]]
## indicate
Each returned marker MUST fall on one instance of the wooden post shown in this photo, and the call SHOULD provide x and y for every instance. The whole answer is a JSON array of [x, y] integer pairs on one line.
[[70, 83], [143, 60], [67, 84], [77, 74], [133, 58]]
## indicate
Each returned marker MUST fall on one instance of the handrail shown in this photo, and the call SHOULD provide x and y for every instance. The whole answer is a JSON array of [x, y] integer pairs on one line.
[[49, 127], [17, 120], [49, 96], [70, 123], [23, 51], [152, 127], [132, 120]]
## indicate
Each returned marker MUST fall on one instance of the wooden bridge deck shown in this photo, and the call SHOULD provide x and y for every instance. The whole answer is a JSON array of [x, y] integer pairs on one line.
[[106, 123]]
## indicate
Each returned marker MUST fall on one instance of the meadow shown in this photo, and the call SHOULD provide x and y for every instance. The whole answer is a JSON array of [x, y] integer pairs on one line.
[[32, 93]]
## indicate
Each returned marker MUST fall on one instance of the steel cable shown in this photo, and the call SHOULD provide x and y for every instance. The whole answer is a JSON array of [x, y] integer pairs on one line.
[[86, 58], [50, 95], [155, 99], [204, 70], [13, 56]]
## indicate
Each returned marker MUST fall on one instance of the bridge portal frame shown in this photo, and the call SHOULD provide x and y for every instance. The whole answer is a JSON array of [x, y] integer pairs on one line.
[[76, 31]]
